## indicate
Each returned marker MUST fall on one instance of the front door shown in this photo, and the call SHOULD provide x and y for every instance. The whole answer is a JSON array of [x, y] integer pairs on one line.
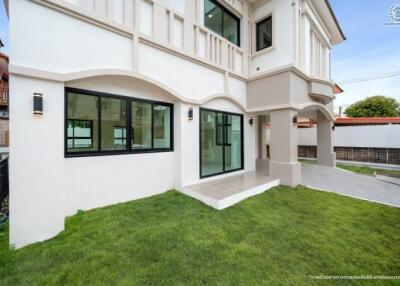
[[221, 142]]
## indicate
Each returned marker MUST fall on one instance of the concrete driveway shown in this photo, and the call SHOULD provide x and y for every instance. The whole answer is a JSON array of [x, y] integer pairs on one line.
[[350, 184]]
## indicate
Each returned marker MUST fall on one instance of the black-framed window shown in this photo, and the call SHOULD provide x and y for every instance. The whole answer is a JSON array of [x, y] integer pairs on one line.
[[221, 142], [82, 123], [223, 22], [264, 34], [120, 136], [102, 124], [141, 125], [113, 117], [79, 134]]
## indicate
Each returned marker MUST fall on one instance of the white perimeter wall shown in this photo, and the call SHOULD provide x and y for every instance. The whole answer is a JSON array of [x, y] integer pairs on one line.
[[374, 136]]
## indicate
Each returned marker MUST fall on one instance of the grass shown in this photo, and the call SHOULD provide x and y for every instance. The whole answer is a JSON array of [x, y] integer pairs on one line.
[[363, 170], [369, 171], [277, 238]]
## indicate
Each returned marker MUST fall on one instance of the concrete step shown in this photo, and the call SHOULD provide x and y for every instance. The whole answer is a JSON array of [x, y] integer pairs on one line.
[[225, 192]]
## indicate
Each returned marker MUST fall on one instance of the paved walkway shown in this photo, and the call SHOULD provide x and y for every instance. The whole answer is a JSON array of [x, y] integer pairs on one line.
[[350, 184]]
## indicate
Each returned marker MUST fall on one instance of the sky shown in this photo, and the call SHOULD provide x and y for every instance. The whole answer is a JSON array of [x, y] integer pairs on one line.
[[3, 27], [371, 48]]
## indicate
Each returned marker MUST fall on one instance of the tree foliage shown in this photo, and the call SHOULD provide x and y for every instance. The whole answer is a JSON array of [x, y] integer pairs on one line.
[[374, 106]]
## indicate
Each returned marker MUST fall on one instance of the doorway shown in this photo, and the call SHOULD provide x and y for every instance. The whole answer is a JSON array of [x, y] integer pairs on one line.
[[221, 142]]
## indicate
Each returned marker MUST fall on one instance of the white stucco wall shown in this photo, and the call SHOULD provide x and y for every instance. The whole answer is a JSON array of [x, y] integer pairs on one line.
[[315, 44], [180, 74], [177, 5], [238, 89], [37, 165], [103, 180], [189, 141], [374, 136], [64, 44], [281, 52], [45, 187]]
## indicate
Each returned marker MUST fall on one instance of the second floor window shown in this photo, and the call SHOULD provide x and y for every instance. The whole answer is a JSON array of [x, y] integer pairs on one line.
[[220, 20], [264, 34]]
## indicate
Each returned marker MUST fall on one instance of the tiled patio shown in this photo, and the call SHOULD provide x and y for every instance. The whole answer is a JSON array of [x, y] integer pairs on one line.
[[224, 192]]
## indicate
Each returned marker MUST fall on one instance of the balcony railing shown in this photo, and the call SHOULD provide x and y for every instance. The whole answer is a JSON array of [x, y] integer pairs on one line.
[[217, 50], [3, 96]]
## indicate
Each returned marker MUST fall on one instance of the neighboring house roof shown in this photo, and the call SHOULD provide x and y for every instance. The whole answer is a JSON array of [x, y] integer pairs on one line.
[[306, 122], [4, 56], [3, 66], [366, 120], [337, 89]]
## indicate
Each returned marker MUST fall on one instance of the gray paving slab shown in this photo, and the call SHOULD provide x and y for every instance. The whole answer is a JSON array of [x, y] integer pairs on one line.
[[387, 179], [350, 184]]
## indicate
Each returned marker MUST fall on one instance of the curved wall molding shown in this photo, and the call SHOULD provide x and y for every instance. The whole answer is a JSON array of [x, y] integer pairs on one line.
[[81, 75], [310, 106], [75, 76]]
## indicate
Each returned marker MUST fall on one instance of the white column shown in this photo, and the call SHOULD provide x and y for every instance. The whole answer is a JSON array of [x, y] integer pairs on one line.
[[325, 154]]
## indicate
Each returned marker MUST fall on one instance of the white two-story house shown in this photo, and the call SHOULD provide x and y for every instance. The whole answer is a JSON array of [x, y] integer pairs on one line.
[[115, 100]]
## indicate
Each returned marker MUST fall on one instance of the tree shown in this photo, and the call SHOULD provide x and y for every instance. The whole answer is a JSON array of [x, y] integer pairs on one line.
[[374, 106]]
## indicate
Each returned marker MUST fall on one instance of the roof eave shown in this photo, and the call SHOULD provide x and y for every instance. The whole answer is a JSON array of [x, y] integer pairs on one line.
[[328, 4]]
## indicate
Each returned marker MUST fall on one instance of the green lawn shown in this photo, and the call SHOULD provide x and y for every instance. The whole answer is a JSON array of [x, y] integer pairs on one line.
[[364, 170], [369, 171], [277, 238]]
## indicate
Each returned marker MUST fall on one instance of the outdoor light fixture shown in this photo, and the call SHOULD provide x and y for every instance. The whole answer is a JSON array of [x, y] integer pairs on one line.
[[251, 121], [190, 113], [37, 103], [333, 127], [295, 120]]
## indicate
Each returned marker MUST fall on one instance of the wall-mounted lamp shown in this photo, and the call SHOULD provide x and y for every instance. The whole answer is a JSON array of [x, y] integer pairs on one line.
[[333, 127], [190, 113], [295, 120], [37, 103], [251, 121]]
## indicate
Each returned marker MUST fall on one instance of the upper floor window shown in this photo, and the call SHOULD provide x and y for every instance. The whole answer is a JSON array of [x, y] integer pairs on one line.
[[220, 20], [264, 34]]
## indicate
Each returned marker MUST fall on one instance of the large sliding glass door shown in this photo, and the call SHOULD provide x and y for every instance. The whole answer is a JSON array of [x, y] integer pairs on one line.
[[221, 142]]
